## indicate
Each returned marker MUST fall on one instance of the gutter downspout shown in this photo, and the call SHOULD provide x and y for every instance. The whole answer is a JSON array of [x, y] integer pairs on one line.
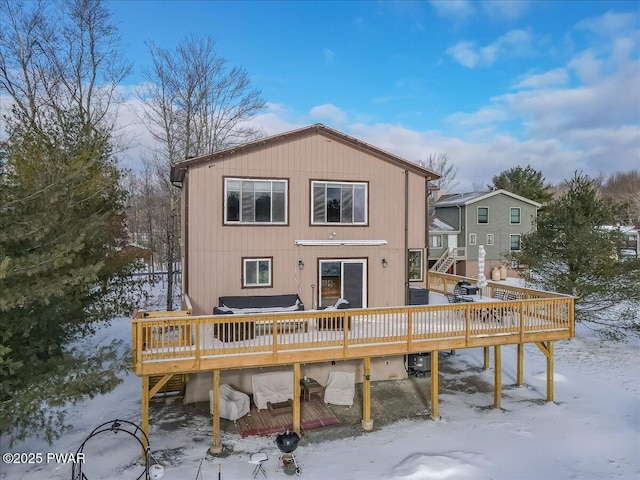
[[406, 238]]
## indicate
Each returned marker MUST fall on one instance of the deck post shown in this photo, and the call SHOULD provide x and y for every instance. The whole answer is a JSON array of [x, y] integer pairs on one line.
[[434, 386], [486, 358], [497, 392], [547, 349], [520, 372], [216, 446], [296, 398], [367, 422], [144, 420]]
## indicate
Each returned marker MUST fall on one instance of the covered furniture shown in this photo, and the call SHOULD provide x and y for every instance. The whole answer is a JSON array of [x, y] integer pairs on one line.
[[341, 388], [335, 323], [274, 387], [258, 304], [250, 304], [233, 404]]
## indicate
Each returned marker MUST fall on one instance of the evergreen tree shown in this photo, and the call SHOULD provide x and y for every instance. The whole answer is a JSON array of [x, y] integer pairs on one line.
[[572, 252], [61, 273], [526, 182]]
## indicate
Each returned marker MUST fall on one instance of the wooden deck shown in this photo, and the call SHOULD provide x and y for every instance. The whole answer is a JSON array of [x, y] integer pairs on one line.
[[177, 342], [169, 343]]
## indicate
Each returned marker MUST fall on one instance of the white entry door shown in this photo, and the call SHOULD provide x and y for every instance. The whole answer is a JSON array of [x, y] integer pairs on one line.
[[343, 278]]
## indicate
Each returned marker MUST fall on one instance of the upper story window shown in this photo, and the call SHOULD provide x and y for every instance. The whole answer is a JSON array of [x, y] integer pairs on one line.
[[255, 201], [514, 216], [343, 202], [483, 214]]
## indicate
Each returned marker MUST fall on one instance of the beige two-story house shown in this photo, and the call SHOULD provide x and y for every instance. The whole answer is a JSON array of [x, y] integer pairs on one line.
[[313, 212]]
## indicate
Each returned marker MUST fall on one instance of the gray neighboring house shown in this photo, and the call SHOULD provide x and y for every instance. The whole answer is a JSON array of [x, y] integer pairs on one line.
[[496, 219]]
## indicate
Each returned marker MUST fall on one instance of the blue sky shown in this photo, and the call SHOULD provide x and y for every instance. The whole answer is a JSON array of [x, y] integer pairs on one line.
[[491, 84]]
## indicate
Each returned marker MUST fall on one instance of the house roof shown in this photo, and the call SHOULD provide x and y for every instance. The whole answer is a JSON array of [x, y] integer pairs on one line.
[[460, 199], [437, 225], [179, 169]]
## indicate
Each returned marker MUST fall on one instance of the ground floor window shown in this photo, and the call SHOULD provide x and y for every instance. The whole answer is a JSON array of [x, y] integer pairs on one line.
[[415, 264], [515, 243], [256, 272]]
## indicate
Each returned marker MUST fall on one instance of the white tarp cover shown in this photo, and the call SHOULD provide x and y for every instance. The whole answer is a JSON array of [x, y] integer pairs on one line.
[[271, 387]]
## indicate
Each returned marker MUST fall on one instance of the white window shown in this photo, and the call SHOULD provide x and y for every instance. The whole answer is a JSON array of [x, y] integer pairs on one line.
[[415, 264], [256, 272], [514, 243], [472, 239], [253, 201], [483, 214], [343, 202], [435, 241], [514, 216], [489, 238]]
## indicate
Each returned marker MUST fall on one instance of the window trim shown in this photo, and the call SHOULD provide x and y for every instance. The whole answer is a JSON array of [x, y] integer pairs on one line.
[[435, 236], [511, 249], [473, 239], [269, 260], [511, 222], [490, 239], [312, 184], [419, 251], [227, 222], [478, 222]]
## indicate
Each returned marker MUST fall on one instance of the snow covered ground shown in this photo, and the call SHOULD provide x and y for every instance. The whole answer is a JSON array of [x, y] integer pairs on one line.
[[592, 431]]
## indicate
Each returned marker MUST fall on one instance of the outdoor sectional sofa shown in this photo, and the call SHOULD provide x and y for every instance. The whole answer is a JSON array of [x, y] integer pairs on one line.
[[244, 305]]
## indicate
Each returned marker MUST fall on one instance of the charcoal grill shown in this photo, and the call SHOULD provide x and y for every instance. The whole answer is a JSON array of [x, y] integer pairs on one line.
[[287, 442]]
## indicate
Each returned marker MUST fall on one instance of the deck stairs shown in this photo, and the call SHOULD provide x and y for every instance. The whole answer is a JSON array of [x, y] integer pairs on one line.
[[448, 258], [175, 386]]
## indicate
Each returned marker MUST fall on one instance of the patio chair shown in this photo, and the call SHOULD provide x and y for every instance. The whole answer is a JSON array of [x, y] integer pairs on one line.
[[233, 404], [258, 459], [459, 294], [451, 298], [340, 389]]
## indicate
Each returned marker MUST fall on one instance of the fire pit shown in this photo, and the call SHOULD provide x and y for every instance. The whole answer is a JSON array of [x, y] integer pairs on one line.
[[287, 443]]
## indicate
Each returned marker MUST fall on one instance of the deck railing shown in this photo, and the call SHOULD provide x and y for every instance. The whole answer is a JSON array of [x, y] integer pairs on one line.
[[178, 342]]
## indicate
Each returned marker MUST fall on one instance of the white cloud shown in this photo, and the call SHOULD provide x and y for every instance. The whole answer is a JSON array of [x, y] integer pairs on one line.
[[328, 112], [552, 78], [514, 43], [483, 116], [610, 24], [505, 9], [328, 54], [454, 9]]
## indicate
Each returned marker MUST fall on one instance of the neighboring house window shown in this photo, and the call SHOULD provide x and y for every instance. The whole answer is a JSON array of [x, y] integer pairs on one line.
[[514, 243], [483, 214], [472, 239], [344, 203], [489, 238], [249, 201], [256, 272], [514, 217], [435, 241], [415, 265]]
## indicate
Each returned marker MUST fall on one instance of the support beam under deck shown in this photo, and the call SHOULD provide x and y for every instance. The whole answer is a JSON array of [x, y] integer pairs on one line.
[[367, 422], [497, 387], [216, 445], [434, 386]]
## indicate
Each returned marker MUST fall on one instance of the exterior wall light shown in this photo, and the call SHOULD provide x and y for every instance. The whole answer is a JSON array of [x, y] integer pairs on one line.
[[384, 263], [300, 264]]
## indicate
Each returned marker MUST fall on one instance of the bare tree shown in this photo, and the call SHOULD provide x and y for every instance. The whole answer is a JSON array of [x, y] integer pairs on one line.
[[624, 187], [61, 57], [441, 164], [195, 103]]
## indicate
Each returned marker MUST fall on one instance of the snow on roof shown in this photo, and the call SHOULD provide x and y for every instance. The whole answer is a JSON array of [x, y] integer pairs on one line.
[[438, 225], [456, 199]]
